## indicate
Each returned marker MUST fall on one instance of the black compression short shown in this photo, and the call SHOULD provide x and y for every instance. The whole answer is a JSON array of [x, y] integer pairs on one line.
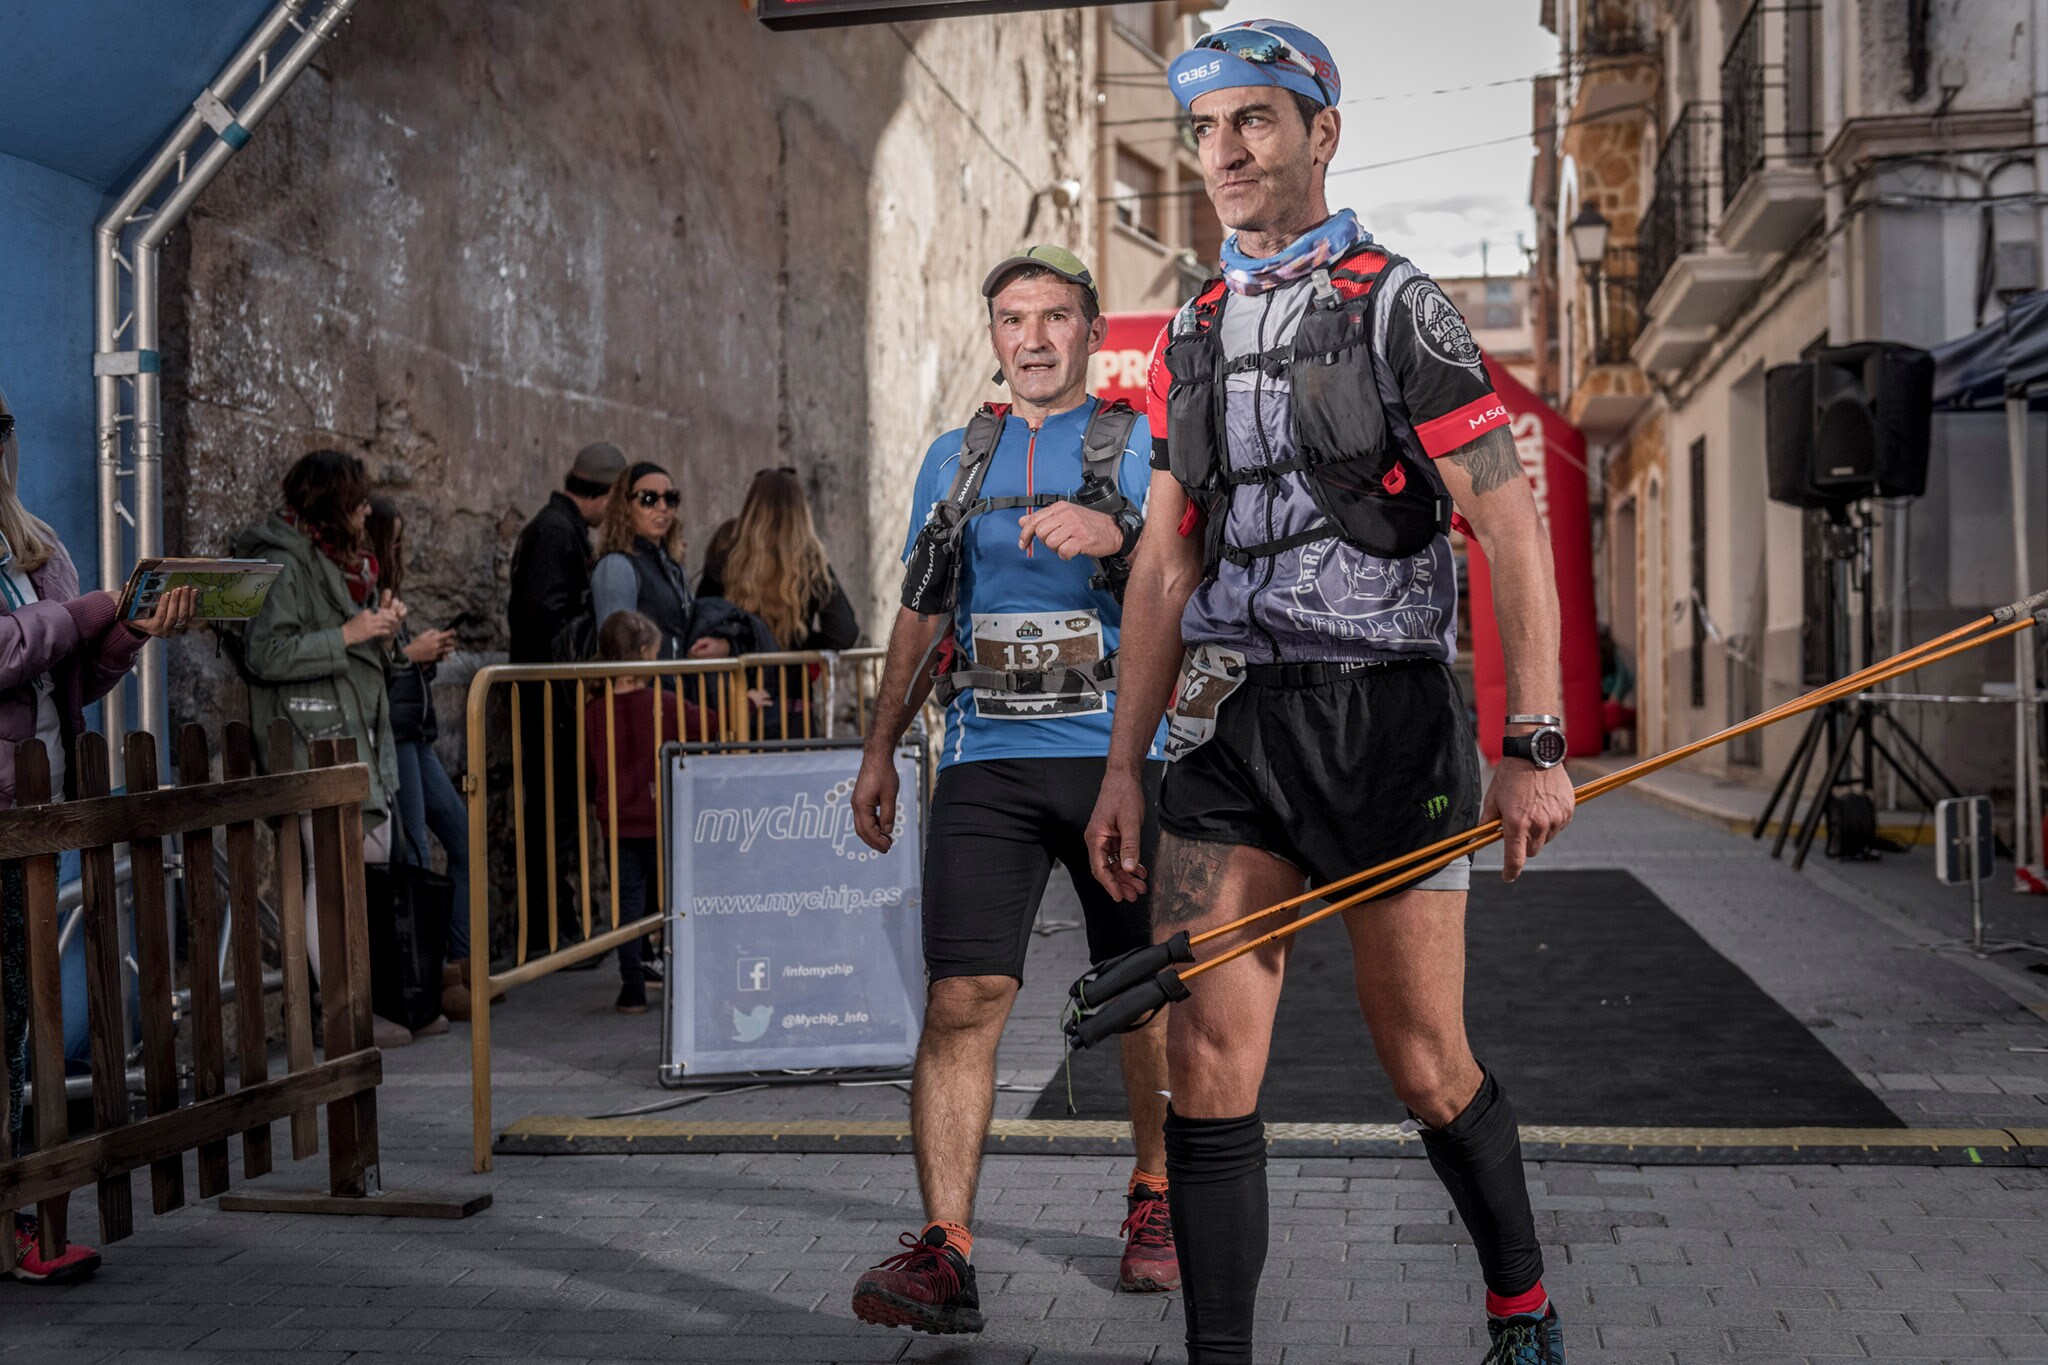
[[996, 828], [1334, 776]]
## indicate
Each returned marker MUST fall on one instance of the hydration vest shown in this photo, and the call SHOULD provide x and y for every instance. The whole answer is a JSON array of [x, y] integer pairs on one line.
[[1373, 491], [931, 579]]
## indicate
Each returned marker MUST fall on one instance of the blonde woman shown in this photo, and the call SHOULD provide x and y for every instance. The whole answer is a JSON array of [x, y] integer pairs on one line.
[[770, 562]]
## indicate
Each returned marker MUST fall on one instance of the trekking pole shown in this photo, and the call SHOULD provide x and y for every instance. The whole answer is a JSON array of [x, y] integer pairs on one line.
[[1834, 691], [1142, 982]]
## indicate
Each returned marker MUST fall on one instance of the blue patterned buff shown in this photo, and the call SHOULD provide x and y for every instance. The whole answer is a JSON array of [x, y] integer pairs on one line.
[[1323, 245]]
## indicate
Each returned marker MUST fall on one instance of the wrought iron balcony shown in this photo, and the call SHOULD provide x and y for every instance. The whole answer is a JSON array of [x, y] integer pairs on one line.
[[1685, 198], [1613, 28], [1615, 316], [1770, 91]]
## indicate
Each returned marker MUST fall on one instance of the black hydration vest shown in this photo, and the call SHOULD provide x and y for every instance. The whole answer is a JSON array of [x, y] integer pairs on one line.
[[931, 580], [1374, 491]]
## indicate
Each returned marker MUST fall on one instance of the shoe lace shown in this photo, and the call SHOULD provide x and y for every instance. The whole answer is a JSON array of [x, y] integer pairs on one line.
[[1522, 1341], [1150, 1220], [921, 1258]]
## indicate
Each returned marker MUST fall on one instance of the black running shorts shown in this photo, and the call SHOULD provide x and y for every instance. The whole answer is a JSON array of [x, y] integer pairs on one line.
[[1336, 775], [996, 829]]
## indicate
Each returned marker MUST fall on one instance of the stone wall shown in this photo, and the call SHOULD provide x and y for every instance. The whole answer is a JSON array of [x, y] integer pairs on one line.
[[481, 233]]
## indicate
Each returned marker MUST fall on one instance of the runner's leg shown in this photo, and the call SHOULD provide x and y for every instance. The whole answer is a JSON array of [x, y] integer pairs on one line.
[[954, 1089], [1216, 1043], [985, 869], [1408, 957]]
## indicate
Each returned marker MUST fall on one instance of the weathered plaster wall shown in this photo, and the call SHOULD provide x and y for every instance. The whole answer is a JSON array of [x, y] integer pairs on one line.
[[485, 232]]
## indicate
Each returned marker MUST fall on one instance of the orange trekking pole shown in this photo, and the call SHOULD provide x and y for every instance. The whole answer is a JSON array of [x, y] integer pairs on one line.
[[1125, 991]]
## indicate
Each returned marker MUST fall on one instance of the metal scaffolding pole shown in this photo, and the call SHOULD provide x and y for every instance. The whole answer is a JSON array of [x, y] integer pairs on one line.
[[126, 365]]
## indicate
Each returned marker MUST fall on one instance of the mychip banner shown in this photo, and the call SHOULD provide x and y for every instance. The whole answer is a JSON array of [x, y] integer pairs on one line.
[[791, 943]]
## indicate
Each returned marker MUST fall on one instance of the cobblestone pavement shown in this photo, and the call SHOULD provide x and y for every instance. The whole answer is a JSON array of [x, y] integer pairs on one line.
[[740, 1258]]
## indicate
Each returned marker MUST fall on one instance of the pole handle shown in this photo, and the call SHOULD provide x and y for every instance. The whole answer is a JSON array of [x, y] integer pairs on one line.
[[1132, 969], [1128, 1010]]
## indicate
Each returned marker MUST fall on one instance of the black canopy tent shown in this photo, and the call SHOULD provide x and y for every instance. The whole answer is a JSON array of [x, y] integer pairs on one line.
[[2006, 362], [1975, 373]]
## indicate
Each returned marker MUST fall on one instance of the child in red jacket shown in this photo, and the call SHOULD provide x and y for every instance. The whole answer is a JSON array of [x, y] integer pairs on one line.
[[622, 755]]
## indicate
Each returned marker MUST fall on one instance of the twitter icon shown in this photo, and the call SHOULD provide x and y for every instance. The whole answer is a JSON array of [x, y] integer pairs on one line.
[[749, 1025]]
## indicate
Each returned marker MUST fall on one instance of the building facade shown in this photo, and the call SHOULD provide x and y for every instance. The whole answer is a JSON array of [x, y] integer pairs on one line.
[[480, 235], [1777, 176], [1497, 309], [1156, 238]]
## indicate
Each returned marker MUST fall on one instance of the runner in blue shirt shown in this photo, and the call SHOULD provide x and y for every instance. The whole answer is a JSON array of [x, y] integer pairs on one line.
[[1021, 527]]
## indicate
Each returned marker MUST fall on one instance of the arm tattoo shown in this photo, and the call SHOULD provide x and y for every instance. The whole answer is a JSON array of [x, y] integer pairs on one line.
[[1189, 875], [1490, 461]]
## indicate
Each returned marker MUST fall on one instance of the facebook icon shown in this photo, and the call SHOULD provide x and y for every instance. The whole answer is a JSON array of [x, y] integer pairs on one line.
[[753, 973]]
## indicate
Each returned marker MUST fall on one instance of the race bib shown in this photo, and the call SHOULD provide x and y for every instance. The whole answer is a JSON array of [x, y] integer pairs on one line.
[[1207, 679], [1037, 642]]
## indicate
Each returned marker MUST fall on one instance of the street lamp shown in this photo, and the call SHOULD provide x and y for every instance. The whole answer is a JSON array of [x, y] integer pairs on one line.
[[1589, 244]]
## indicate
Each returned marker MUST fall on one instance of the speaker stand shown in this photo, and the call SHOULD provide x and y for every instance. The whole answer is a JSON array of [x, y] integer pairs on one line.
[[1840, 728]]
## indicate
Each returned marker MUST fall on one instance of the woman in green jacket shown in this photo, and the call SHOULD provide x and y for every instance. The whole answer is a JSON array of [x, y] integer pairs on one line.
[[318, 652]]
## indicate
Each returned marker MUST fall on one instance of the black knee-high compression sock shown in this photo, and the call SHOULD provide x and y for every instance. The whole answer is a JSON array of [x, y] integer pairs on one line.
[[1216, 1188], [1478, 1156]]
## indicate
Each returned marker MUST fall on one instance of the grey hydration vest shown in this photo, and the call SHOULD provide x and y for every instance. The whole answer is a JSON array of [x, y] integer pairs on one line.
[[1323, 519]]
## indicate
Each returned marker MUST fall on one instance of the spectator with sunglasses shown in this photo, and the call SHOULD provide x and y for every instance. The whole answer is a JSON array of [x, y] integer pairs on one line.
[[640, 564]]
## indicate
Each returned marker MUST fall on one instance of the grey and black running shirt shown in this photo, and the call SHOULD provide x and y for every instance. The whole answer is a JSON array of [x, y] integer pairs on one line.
[[1329, 601]]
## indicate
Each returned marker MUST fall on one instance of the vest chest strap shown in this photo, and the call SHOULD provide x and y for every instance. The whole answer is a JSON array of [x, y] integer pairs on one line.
[[1244, 556]]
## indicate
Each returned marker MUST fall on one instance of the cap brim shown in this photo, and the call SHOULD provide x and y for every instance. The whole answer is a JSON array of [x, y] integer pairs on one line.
[[1201, 69], [994, 279]]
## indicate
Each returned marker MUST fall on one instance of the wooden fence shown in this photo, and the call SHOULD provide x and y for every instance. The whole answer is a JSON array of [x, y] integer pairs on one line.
[[54, 1162]]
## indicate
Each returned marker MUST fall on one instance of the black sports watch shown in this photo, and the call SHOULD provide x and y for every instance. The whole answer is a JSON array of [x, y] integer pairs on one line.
[[1544, 746], [1131, 522]]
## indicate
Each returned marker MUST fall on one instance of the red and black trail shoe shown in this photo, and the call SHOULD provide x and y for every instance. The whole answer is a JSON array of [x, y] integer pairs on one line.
[[927, 1287], [69, 1266], [1150, 1264]]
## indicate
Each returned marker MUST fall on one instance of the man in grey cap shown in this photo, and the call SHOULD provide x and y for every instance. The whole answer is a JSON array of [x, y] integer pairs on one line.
[[1020, 527], [550, 589]]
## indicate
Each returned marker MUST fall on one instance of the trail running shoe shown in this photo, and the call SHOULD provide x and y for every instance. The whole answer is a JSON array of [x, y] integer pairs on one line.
[[1150, 1265], [74, 1263], [928, 1287], [1526, 1339]]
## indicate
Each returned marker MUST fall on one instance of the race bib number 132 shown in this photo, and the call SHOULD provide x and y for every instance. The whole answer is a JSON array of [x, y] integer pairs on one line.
[[1037, 642]]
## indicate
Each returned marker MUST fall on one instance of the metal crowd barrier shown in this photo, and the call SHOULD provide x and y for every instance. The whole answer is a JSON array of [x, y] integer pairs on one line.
[[754, 698]]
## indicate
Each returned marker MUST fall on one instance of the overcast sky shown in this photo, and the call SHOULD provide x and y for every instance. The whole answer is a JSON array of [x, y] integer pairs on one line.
[[1390, 53]]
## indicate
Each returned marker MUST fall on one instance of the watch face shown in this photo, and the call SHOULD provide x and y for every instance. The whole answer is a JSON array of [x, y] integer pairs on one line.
[[1547, 747]]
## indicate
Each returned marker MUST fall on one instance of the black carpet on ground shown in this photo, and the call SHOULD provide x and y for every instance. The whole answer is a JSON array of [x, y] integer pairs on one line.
[[1584, 993]]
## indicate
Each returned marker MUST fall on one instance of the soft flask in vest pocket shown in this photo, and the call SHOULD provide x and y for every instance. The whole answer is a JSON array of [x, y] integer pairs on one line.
[[1377, 496], [1194, 419], [931, 587]]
